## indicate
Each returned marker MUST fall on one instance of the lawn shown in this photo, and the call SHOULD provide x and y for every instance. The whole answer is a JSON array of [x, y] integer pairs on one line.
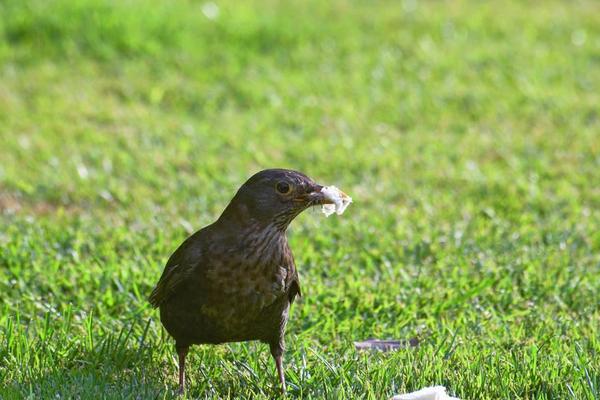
[[467, 132]]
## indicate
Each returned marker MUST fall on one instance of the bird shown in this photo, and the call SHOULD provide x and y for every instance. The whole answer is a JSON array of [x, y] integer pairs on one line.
[[235, 279]]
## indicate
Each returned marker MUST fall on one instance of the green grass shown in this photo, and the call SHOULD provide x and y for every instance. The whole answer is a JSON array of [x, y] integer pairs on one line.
[[467, 133]]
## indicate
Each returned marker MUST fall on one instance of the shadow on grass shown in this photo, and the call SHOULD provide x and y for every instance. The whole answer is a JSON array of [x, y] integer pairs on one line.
[[137, 362], [87, 383], [119, 366]]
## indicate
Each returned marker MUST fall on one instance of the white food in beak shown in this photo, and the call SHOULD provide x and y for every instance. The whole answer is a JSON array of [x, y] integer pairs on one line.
[[340, 199], [428, 393]]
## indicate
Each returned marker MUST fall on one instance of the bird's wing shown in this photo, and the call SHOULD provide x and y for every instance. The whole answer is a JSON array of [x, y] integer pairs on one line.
[[294, 285], [178, 269], [169, 281]]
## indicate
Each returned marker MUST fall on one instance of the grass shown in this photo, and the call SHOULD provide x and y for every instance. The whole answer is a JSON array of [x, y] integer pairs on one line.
[[466, 131]]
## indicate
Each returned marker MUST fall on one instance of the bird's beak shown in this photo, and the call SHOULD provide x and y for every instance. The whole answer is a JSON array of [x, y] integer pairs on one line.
[[313, 196]]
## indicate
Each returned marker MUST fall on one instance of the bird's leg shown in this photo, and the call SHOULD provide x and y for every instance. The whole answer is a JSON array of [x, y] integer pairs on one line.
[[182, 352], [277, 352], [279, 365]]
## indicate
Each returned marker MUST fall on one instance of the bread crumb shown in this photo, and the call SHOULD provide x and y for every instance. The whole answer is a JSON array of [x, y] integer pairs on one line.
[[340, 201], [428, 393]]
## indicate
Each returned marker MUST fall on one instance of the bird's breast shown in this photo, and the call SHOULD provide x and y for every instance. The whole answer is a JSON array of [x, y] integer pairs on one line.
[[245, 302], [246, 279]]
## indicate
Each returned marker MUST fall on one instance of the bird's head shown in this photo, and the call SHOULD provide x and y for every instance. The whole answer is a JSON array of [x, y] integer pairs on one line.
[[274, 196]]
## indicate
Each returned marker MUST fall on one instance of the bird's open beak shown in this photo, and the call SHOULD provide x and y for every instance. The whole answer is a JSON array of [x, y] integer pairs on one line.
[[313, 196]]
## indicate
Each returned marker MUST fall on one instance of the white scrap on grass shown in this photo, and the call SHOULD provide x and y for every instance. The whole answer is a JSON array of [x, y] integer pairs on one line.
[[428, 393], [340, 201]]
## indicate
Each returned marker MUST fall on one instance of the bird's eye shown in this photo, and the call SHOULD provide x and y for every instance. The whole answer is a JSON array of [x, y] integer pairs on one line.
[[284, 187]]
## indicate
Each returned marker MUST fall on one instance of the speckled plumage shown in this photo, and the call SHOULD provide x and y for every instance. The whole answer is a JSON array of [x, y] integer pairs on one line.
[[235, 279]]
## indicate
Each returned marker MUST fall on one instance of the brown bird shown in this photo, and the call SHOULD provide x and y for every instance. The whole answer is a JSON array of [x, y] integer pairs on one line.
[[235, 279]]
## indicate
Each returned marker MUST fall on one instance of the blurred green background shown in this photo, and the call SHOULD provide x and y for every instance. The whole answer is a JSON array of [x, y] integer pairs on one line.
[[467, 133]]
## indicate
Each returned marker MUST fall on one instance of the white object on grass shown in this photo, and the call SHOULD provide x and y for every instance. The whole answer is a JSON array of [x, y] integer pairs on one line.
[[428, 393], [340, 201]]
